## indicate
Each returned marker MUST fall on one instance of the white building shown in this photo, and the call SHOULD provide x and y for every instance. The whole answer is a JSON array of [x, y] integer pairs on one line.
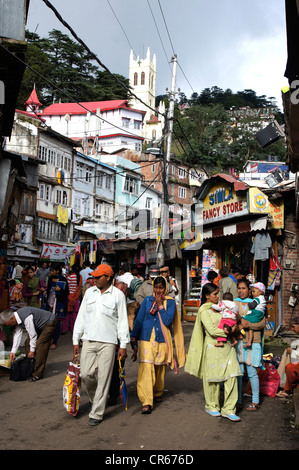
[[142, 77], [99, 125]]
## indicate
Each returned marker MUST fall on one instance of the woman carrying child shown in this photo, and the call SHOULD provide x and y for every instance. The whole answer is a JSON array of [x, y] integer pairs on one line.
[[213, 365], [249, 357]]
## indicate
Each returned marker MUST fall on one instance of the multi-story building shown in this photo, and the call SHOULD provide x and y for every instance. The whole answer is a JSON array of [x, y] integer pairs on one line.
[[99, 125]]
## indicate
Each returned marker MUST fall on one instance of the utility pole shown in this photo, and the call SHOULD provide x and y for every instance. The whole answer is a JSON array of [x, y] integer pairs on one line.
[[164, 235]]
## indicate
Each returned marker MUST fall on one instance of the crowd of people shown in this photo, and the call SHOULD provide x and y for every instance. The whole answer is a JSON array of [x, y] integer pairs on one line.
[[105, 313]]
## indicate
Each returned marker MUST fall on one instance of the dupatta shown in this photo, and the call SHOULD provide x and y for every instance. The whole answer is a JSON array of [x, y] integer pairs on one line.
[[178, 339]]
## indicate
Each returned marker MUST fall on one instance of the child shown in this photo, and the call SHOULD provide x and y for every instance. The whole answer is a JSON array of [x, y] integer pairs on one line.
[[257, 309], [229, 311]]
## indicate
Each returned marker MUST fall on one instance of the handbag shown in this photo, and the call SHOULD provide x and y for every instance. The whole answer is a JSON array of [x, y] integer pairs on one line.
[[71, 388], [22, 368]]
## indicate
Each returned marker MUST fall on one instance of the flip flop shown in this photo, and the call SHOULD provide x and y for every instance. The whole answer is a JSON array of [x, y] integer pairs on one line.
[[282, 394], [146, 410], [252, 407]]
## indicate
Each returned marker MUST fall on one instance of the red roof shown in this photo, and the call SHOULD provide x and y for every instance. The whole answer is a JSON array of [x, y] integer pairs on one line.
[[84, 107], [33, 99], [238, 185]]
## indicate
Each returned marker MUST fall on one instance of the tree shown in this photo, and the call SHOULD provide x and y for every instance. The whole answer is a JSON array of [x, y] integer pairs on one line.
[[70, 72]]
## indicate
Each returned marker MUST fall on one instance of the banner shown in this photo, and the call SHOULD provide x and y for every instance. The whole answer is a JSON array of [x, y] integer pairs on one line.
[[57, 253]]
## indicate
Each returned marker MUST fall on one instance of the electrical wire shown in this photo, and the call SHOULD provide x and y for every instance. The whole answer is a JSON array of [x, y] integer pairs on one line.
[[120, 25], [92, 54]]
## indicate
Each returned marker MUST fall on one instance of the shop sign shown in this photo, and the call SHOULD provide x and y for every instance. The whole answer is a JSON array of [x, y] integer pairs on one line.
[[277, 213], [191, 240], [260, 204], [222, 203], [56, 253]]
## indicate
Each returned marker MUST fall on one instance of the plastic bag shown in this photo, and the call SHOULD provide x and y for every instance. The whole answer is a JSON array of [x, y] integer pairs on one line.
[[269, 380], [71, 389]]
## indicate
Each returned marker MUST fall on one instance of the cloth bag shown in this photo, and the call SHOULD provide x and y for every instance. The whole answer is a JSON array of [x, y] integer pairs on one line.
[[71, 389], [22, 368]]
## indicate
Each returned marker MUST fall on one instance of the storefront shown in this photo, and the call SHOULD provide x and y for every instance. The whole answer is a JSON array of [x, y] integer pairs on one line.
[[237, 222]]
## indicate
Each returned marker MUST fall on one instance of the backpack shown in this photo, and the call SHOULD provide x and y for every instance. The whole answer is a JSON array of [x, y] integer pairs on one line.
[[123, 286], [134, 286]]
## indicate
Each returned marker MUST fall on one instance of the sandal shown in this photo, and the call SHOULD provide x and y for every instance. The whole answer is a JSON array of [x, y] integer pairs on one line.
[[282, 394], [146, 410], [33, 379], [252, 407]]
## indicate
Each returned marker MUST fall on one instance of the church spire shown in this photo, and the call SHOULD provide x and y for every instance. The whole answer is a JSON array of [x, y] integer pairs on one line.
[[33, 104]]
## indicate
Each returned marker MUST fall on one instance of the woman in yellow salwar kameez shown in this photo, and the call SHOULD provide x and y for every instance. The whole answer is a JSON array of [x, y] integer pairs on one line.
[[151, 328], [213, 365]]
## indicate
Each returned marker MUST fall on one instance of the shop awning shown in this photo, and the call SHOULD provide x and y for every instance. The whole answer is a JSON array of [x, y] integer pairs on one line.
[[233, 229]]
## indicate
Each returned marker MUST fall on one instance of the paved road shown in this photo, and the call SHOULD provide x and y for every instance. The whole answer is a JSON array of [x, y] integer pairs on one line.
[[33, 417]]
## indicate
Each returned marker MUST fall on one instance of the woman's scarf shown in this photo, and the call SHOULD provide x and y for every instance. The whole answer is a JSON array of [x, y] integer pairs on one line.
[[177, 335], [195, 352]]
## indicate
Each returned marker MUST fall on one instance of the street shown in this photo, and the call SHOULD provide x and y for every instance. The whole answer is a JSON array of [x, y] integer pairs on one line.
[[33, 418]]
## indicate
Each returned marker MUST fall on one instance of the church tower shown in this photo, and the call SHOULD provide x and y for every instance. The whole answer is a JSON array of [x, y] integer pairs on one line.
[[33, 104], [142, 77]]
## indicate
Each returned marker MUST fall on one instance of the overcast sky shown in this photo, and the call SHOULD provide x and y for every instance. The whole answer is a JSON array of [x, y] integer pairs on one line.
[[236, 44]]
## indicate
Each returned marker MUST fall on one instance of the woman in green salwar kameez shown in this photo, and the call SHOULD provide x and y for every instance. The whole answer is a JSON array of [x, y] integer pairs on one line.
[[213, 365]]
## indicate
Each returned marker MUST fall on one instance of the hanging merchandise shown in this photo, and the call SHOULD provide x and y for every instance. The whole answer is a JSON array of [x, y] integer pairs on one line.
[[261, 246], [274, 272]]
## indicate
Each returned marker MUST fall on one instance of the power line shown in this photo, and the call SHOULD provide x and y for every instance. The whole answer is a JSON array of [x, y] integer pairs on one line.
[[120, 25], [57, 14], [158, 33], [67, 95]]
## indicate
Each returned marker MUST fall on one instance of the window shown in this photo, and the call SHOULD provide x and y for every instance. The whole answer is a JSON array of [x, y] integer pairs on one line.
[[100, 177], [135, 78], [108, 182], [153, 168], [42, 153], [142, 78], [88, 174], [138, 147], [137, 124], [131, 185], [61, 197], [148, 202], [41, 191], [182, 172], [173, 170], [98, 209], [45, 192], [79, 171], [125, 122], [182, 192], [51, 157]]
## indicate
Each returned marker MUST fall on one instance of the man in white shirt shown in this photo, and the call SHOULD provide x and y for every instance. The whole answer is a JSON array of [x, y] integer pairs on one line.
[[40, 326], [85, 273], [101, 323]]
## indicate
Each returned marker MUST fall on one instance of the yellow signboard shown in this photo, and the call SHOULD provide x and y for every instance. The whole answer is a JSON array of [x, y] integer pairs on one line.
[[222, 203], [260, 204]]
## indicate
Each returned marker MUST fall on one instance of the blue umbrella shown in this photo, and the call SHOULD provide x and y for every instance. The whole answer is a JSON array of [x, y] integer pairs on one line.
[[123, 386]]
